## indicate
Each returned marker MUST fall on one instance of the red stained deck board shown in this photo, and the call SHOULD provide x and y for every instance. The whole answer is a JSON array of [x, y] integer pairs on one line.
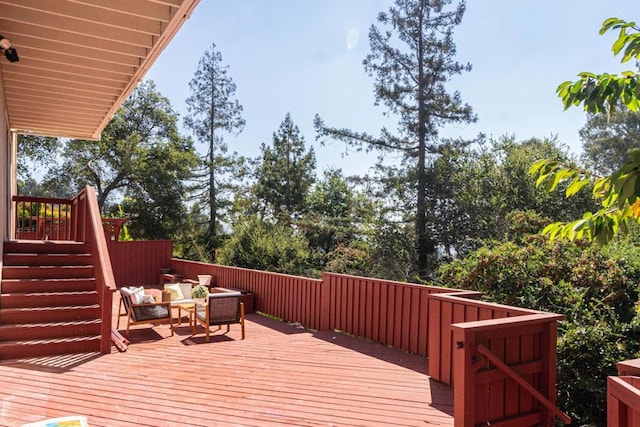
[[279, 375]]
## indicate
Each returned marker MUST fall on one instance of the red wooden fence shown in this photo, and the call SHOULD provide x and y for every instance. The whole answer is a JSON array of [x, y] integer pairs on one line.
[[484, 394], [623, 401], [139, 262], [384, 311], [445, 310]]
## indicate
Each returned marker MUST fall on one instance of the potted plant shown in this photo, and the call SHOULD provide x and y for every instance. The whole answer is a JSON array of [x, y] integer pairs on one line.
[[199, 293]]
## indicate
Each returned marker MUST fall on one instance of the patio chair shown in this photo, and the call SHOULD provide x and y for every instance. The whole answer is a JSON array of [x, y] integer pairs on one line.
[[141, 308], [220, 309]]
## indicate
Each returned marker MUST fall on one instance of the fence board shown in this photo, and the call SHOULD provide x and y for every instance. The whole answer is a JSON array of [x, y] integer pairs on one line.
[[139, 262]]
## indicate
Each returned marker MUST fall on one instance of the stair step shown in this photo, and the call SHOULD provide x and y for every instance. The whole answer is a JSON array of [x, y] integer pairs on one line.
[[49, 314], [45, 247], [47, 272], [47, 285], [51, 330], [40, 259], [48, 347], [48, 299]]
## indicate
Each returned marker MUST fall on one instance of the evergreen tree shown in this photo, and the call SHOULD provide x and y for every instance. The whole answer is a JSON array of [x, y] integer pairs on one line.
[[212, 112], [337, 214], [410, 82], [286, 173]]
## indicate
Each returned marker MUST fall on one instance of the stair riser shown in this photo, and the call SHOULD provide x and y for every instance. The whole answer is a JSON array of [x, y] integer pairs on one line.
[[46, 259], [18, 332], [20, 351], [46, 247], [42, 316], [25, 286], [22, 301], [47, 272]]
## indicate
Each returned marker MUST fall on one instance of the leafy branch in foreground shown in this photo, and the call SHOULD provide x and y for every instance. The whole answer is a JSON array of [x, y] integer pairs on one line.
[[618, 192], [601, 92]]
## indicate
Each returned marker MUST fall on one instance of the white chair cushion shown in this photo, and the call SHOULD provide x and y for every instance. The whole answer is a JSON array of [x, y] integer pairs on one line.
[[179, 291]]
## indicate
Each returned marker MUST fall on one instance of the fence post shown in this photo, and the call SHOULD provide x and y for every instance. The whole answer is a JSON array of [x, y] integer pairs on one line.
[[325, 303], [549, 359], [464, 381]]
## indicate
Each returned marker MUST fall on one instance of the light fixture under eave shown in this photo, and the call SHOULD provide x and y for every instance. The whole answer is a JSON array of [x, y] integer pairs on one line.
[[9, 51]]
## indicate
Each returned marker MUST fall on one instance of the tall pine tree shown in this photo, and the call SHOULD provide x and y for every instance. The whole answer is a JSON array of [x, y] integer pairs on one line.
[[286, 173], [213, 111], [411, 61]]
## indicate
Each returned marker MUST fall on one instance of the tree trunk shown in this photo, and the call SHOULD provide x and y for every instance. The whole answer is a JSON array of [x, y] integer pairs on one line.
[[421, 214], [211, 232]]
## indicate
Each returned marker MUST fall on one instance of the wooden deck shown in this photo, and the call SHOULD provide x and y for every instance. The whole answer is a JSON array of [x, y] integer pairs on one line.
[[281, 375]]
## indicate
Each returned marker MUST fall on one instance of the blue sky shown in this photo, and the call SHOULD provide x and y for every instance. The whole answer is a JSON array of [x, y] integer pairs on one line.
[[305, 57]]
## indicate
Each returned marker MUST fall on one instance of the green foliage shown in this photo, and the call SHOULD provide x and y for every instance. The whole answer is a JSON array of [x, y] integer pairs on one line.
[[33, 153], [354, 260], [337, 216], [587, 354], [601, 92], [618, 191], [199, 291], [607, 139], [286, 173], [262, 246], [141, 161], [617, 194], [478, 185], [595, 288]]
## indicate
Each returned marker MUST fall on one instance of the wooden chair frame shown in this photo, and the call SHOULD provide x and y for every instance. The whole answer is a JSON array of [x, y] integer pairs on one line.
[[134, 311], [211, 317]]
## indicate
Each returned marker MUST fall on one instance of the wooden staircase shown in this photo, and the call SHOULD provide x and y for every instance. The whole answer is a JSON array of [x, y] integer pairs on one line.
[[48, 300]]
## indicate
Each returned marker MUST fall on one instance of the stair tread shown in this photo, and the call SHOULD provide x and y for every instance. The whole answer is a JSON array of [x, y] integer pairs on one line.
[[52, 293], [52, 324], [50, 340], [49, 279], [50, 267], [52, 308]]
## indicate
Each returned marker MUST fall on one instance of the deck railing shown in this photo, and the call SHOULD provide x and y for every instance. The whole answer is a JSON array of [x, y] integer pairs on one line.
[[623, 395], [86, 226], [42, 218], [477, 347], [623, 401]]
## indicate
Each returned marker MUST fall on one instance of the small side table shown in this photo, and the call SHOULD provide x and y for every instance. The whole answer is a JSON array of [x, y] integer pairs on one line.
[[190, 308]]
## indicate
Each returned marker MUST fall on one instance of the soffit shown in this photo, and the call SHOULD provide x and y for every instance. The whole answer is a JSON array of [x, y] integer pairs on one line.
[[80, 59]]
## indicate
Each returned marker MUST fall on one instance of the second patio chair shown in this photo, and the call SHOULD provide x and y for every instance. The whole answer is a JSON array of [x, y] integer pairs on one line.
[[220, 309]]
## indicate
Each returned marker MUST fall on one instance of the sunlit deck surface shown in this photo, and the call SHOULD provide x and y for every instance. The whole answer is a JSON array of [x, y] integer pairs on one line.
[[280, 375]]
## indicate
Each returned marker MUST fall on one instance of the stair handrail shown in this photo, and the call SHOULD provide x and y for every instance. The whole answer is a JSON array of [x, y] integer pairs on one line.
[[522, 383], [88, 228]]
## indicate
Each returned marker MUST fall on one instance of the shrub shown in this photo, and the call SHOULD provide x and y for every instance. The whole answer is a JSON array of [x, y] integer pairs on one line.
[[595, 288], [263, 246]]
